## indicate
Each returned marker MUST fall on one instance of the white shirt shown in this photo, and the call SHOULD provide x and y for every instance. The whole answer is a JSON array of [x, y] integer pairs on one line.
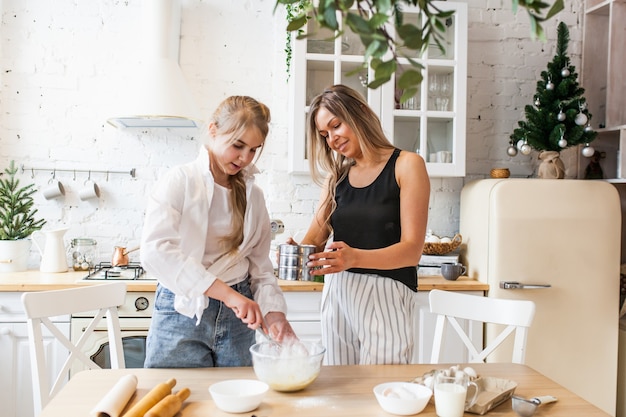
[[174, 238]]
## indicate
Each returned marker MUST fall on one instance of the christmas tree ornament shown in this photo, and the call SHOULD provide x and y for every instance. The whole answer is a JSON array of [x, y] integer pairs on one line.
[[581, 119], [565, 72], [537, 102], [561, 116], [526, 149], [588, 151], [588, 128], [520, 143], [549, 85], [511, 150], [562, 142]]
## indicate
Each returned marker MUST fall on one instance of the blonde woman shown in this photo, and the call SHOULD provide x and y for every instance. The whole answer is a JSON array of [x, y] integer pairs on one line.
[[374, 206], [206, 238]]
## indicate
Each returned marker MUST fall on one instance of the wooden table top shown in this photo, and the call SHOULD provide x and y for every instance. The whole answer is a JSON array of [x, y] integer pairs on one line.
[[338, 391]]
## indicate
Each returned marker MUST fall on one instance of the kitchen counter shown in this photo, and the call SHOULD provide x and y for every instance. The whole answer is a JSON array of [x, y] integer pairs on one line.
[[34, 280]]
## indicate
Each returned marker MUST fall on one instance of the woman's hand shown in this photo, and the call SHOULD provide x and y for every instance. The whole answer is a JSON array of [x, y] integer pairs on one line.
[[337, 257]]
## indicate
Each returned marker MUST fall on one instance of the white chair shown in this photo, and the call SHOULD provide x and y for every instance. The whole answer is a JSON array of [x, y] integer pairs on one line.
[[516, 315], [40, 306]]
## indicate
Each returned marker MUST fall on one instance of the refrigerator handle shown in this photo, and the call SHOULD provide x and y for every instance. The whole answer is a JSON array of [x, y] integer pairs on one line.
[[514, 285]]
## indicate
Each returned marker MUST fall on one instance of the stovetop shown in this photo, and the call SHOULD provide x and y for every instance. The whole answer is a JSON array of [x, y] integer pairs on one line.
[[106, 271]]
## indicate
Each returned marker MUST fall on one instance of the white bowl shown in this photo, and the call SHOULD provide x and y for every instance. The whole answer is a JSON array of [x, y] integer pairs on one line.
[[402, 398], [238, 395], [288, 368]]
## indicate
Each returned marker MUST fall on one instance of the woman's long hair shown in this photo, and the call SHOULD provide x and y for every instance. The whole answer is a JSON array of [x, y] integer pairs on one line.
[[233, 117], [327, 165]]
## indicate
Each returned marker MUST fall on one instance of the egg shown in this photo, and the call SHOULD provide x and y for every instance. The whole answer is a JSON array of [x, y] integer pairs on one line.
[[471, 372], [432, 239], [445, 240]]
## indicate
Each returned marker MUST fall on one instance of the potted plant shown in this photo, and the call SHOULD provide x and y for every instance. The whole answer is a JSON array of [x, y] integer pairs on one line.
[[17, 221]]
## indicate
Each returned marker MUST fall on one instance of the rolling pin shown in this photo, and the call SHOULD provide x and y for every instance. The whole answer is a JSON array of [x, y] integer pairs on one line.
[[170, 405], [155, 395]]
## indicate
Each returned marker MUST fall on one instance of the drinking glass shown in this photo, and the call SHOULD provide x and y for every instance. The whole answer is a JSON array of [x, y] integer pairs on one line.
[[451, 394], [445, 92], [434, 90]]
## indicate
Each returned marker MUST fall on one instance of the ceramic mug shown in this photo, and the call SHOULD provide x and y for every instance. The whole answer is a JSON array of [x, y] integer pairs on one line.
[[54, 189], [89, 191], [451, 394], [451, 270]]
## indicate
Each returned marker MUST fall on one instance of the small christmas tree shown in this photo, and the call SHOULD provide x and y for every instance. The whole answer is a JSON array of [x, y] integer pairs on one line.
[[17, 214], [559, 118]]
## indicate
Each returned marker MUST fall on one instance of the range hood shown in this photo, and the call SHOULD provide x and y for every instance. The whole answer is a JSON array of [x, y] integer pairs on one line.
[[155, 93]]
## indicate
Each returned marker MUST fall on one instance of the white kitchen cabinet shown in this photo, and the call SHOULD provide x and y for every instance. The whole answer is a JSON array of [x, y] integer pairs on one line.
[[303, 313], [16, 393], [432, 123]]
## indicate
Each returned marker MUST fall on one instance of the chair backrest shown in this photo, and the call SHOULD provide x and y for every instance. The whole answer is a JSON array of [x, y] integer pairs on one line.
[[515, 315], [40, 306]]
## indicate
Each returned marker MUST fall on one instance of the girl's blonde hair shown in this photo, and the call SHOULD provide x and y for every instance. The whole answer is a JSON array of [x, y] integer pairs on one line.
[[233, 117], [332, 167]]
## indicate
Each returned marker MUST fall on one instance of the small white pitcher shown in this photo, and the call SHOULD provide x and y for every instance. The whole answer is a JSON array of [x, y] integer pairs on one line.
[[53, 258]]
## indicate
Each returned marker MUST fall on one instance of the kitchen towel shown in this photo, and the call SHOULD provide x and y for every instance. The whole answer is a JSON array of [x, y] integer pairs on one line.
[[112, 404]]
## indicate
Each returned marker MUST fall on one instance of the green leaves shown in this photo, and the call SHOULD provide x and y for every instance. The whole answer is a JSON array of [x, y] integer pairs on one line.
[[535, 9], [17, 215], [383, 70], [386, 38]]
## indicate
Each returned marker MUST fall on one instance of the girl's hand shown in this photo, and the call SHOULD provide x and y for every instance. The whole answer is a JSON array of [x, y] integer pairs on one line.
[[247, 310], [278, 327], [338, 257]]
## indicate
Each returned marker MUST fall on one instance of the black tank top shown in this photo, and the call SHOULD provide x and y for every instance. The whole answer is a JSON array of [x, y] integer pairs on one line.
[[369, 218]]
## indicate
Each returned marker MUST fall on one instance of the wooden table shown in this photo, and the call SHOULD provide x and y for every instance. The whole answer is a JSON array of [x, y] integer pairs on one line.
[[338, 391]]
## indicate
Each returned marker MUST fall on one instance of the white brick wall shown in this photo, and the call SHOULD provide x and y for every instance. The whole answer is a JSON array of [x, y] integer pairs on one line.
[[60, 69]]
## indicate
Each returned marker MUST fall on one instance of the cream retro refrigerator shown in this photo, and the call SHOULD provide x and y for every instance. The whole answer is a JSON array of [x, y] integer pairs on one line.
[[557, 243]]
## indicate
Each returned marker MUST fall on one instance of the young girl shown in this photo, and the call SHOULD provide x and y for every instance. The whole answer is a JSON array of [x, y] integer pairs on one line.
[[206, 238], [374, 203]]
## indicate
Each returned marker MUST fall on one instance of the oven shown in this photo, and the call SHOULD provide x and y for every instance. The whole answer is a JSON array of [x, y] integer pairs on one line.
[[135, 316]]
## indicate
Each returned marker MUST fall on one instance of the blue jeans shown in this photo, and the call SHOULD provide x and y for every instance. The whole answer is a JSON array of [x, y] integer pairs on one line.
[[221, 339]]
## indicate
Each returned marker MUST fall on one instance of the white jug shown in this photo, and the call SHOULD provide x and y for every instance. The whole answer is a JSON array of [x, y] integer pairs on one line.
[[53, 258]]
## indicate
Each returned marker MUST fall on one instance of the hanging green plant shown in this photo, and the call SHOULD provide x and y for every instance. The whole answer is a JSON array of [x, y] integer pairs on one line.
[[371, 21], [293, 10]]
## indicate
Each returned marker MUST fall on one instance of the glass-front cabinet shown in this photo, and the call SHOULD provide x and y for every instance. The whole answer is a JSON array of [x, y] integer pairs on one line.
[[431, 123]]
